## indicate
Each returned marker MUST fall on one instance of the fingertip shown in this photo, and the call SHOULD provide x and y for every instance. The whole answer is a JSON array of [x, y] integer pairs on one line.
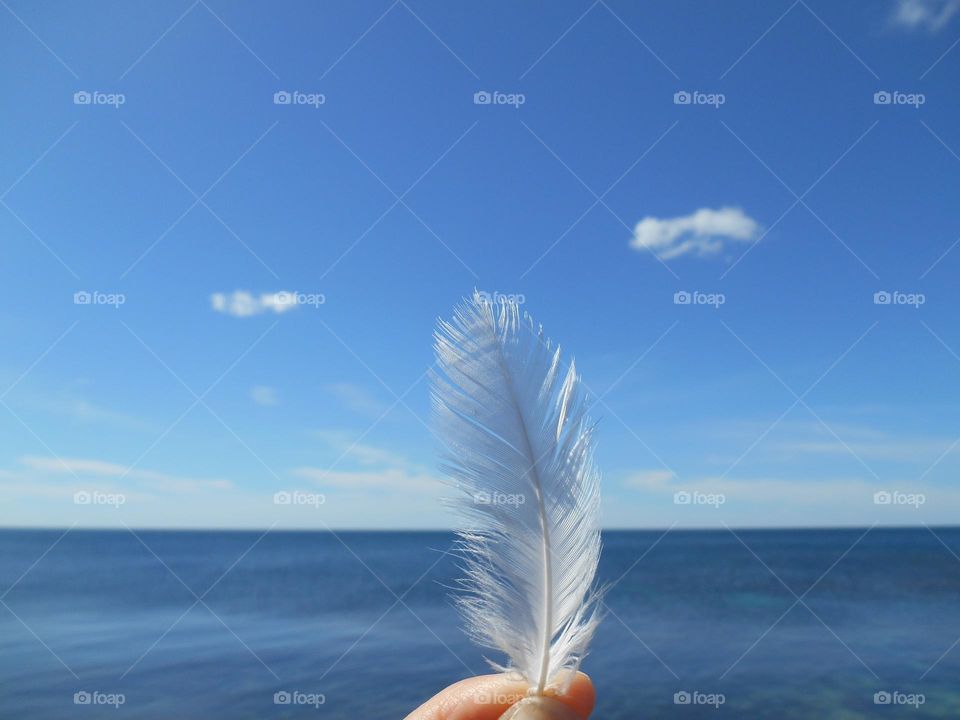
[[580, 696], [484, 697], [571, 698], [487, 697]]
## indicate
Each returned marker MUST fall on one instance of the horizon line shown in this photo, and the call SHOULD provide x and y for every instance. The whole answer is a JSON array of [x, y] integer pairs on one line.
[[653, 529]]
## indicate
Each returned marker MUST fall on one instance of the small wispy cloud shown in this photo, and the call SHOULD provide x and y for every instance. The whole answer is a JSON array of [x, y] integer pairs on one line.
[[703, 232], [921, 450], [775, 491], [73, 403], [396, 480], [242, 303], [932, 15], [102, 469], [793, 441], [359, 452], [648, 479], [358, 399], [264, 395], [378, 469]]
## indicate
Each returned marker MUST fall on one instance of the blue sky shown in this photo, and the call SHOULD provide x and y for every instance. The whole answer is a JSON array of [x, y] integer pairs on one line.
[[779, 200]]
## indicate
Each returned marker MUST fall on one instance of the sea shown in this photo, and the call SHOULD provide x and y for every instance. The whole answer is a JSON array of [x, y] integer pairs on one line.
[[217, 625]]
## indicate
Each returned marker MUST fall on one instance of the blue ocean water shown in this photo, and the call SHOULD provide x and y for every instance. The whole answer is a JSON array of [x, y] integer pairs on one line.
[[762, 624]]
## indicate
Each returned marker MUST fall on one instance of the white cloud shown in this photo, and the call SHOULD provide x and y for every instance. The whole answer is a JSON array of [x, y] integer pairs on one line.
[[766, 501], [794, 440], [366, 455], [68, 403], [773, 491], [86, 467], [242, 303], [702, 232], [379, 490], [76, 466], [376, 470], [358, 399], [893, 448], [932, 15], [648, 479], [264, 395], [389, 479]]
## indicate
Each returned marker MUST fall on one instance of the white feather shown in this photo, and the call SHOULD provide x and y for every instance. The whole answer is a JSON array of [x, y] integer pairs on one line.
[[520, 451]]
